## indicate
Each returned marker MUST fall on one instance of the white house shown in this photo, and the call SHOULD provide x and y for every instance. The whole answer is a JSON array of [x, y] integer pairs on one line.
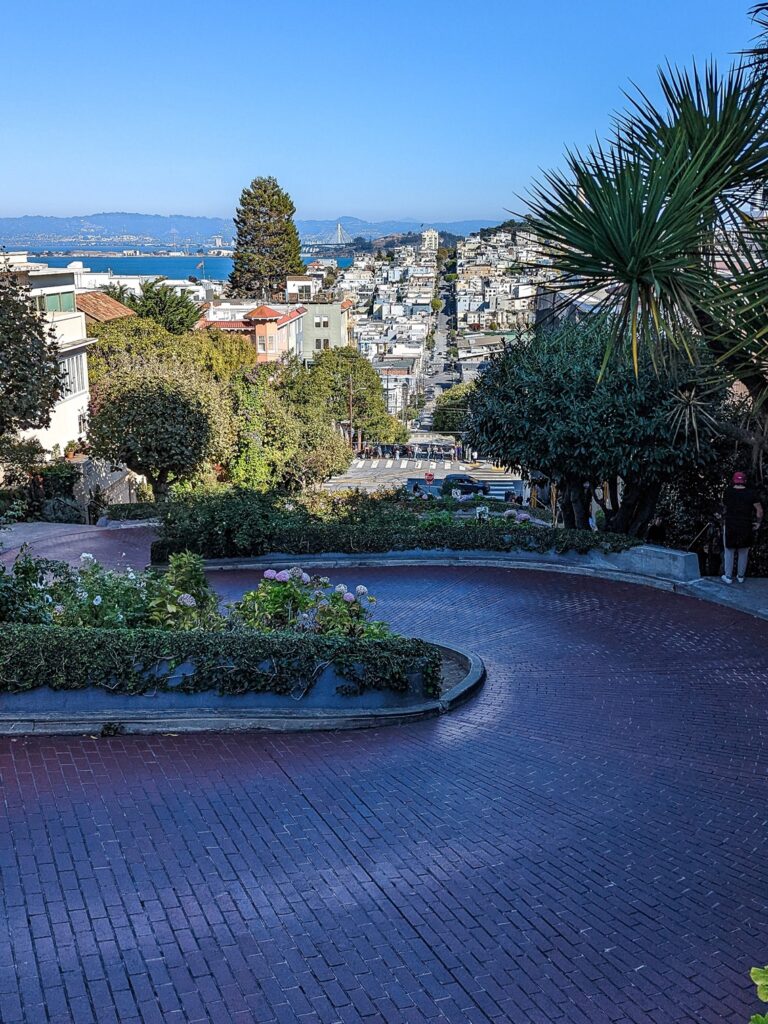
[[53, 291]]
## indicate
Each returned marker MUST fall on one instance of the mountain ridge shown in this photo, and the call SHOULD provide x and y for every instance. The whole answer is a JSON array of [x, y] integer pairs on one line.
[[178, 228]]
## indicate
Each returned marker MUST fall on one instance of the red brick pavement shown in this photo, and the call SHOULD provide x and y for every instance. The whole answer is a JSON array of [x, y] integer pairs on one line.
[[585, 841]]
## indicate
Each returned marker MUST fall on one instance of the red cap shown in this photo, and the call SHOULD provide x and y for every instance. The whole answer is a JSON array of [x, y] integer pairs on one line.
[[739, 478]]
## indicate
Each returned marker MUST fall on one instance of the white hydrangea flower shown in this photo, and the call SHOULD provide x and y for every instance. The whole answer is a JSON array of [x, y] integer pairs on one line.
[[187, 601], [295, 573], [341, 588], [97, 601], [86, 559], [324, 581], [361, 591], [58, 609]]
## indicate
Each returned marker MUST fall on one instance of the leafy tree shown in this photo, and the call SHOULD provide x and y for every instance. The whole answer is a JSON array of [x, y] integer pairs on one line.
[[158, 422], [30, 377], [222, 354], [541, 408], [121, 293], [452, 409], [343, 381], [282, 440], [267, 246], [437, 305], [159, 302]]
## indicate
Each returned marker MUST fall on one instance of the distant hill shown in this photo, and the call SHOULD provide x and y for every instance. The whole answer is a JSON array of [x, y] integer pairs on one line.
[[133, 229]]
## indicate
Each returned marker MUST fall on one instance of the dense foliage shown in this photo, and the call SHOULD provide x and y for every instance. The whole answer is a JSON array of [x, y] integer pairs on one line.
[[655, 222], [282, 416], [284, 439], [158, 302], [159, 423], [147, 660], [236, 522], [543, 407], [452, 409], [30, 378], [267, 246], [222, 355]]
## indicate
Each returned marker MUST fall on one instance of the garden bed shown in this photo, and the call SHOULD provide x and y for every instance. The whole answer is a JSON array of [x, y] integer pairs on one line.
[[84, 647]]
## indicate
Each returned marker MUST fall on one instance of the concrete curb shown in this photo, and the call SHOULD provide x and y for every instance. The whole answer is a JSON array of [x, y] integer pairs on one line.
[[272, 720], [702, 589]]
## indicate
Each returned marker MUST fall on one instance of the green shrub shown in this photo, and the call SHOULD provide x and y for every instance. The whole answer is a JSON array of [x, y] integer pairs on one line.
[[240, 524], [136, 661], [134, 510]]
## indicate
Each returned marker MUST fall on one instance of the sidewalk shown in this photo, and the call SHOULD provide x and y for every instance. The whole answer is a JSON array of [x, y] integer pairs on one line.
[[750, 596]]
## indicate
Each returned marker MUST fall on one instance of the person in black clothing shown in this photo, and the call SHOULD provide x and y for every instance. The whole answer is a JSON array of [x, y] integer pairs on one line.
[[740, 503]]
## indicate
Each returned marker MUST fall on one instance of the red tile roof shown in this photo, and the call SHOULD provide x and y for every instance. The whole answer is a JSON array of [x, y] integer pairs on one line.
[[224, 325], [101, 307], [262, 313], [292, 314], [347, 303]]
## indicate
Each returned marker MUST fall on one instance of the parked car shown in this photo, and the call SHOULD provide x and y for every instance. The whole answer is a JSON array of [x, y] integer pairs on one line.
[[465, 483]]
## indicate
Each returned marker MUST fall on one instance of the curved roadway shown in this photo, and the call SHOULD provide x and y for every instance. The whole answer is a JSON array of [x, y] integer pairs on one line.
[[584, 841]]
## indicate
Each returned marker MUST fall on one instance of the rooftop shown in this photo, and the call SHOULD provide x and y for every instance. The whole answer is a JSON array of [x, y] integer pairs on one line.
[[101, 307]]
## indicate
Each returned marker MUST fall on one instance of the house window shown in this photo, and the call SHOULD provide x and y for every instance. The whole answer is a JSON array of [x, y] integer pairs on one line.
[[59, 302], [318, 344], [325, 322], [75, 375], [317, 321], [305, 293], [326, 343], [262, 345], [271, 343]]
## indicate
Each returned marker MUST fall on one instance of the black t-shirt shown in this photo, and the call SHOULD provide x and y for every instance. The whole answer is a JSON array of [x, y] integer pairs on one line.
[[739, 505]]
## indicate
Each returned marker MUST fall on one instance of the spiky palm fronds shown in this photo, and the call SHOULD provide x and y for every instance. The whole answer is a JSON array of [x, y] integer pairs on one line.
[[655, 217]]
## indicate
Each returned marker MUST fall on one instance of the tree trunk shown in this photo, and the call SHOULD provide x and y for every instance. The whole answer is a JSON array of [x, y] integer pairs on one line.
[[159, 484], [637, 507], [577, 498]]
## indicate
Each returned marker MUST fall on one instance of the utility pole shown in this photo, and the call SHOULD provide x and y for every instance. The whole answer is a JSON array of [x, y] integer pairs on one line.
[[351, 428]]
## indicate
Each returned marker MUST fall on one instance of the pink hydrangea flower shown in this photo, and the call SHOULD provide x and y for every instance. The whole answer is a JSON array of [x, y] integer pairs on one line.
[[306, 578], [349, 598], [283, 577], [270, 574]]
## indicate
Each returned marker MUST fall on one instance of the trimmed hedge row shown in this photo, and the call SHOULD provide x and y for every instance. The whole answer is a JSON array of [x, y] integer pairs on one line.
[[136, 661], [136, 510], [237, 524]]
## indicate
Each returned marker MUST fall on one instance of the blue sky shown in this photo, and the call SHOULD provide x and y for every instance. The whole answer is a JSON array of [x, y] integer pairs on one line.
[[407, 108]]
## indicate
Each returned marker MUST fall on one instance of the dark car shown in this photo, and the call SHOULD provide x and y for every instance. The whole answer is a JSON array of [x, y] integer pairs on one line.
[[464, 483]]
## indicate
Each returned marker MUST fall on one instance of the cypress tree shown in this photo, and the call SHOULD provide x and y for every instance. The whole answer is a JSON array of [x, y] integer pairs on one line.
[[267, 246]]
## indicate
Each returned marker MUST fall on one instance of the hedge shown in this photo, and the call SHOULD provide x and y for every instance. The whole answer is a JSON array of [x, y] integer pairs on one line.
[[238, 524], [136, 661], [134, 510]]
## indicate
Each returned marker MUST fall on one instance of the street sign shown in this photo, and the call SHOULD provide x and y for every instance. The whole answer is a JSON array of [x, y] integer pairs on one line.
[[429, 477]]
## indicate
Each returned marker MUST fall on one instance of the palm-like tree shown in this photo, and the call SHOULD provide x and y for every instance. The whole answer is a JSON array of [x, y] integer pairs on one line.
[[658, 223]]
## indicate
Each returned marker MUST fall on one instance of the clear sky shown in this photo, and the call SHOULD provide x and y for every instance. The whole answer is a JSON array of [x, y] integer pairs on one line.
[[430, 109]]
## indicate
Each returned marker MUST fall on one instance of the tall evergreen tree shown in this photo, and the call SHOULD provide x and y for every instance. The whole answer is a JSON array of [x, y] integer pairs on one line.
[[267, 246]]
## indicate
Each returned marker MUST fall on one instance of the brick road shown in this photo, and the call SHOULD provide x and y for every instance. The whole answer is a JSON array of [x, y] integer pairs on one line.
[[585, 841]]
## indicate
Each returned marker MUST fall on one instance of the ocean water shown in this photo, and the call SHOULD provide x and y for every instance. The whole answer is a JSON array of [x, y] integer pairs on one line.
[[216, 268]]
